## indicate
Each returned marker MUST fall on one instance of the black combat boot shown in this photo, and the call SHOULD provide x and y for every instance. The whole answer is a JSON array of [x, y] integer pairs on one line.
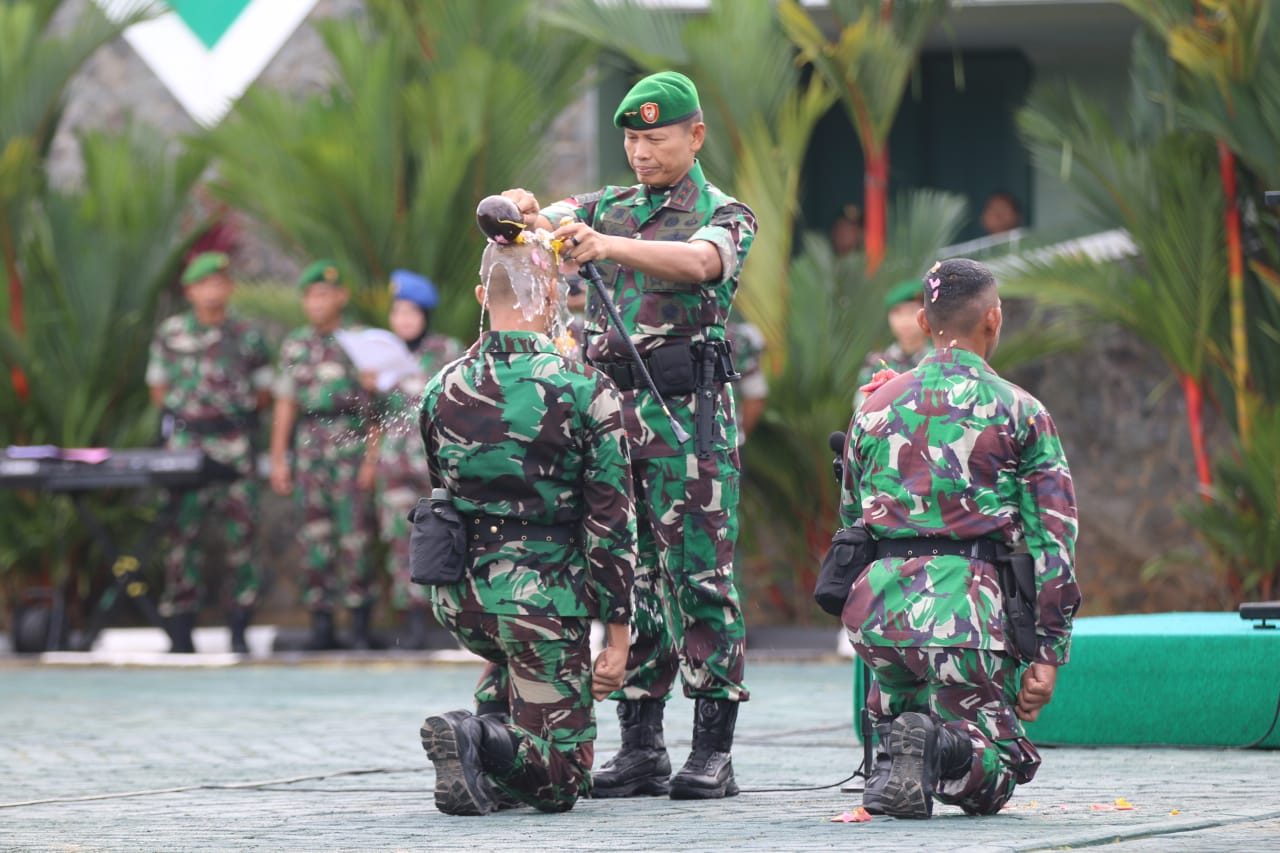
[[453, 743], [708, 774], [322, 637], [878, 773], [238, 623], [642, 767], [923, 752], [361, 641], [416, 629], [180, 628], [500, 714]]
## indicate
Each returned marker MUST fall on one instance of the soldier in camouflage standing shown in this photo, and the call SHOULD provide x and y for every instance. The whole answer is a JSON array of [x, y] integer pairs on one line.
[[950, 466], [530, 444], [398, 470], [210, 374], [671, 249], [318, 391]]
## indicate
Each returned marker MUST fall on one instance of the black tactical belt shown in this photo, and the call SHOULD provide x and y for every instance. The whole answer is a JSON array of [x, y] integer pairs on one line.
[[215, 425], [489, 529], [659, 363], [986, 550]]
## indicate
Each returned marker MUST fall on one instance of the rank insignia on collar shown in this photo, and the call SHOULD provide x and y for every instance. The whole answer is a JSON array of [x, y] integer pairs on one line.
[[649, 112]]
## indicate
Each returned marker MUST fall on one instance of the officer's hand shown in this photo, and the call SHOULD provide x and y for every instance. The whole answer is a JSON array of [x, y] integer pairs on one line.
[[367, 475], [582, 243], [281, 482], [527, 202], [369, 380], [1038, 681]]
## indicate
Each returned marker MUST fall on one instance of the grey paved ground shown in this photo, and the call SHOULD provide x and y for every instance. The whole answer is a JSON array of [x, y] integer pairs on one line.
[[70, 732]]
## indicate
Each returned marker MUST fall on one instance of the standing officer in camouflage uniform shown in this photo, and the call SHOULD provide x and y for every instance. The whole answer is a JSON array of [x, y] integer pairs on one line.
[[671, 248], [531, 445], [953, 461], [210, 373], [318, 390], [398, 470]]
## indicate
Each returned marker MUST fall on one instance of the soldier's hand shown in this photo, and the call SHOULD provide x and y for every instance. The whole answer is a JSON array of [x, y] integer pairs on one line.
[[527, 202], [608, 671], [369, 380], [281, 482], [367, 475], [582, 243], [1038, 681]]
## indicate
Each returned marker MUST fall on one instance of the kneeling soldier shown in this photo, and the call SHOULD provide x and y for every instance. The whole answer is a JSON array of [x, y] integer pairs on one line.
[[530, 444]]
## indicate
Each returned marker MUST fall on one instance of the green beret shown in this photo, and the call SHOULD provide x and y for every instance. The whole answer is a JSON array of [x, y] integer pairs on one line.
[[658, 100], [320, 272], [204, 265], [904, 291]]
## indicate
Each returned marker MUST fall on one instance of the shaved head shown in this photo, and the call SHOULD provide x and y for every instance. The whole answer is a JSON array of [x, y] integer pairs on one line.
[[958, 292]]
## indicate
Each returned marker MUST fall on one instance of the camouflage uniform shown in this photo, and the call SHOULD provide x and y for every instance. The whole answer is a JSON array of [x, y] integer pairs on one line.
[[950, 449], [687, 613], [211, 376], [519, 432], [891, 358], [402, 466], [329, 446]]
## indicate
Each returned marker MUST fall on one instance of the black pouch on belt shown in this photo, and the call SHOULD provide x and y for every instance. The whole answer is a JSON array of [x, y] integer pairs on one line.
[[437, 541], [1018, 585], [671, 366], [852, 550]]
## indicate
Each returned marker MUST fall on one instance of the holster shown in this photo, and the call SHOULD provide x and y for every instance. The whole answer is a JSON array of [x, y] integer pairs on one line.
[[1017, 574]]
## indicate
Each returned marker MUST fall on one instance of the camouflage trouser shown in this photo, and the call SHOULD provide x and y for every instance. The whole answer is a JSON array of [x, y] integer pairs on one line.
[[687, 614], [395, 498], [229, 509], [972, 691], [337, 521], [540, 666]]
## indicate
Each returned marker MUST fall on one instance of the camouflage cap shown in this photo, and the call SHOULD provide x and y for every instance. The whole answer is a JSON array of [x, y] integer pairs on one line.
[[204, 265], [320, 272], [414, 288], [904, 291], [658, 100]]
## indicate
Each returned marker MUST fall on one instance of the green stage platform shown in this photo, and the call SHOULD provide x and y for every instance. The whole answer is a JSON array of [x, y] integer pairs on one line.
[[1178, 679]]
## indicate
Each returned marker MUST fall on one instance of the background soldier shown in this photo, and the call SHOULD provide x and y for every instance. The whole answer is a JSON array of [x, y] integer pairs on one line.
[[398, 471], [210, 374], [319, 391], [541, 473], [982, 470], [751, 391], [910, 343], [671, 248]]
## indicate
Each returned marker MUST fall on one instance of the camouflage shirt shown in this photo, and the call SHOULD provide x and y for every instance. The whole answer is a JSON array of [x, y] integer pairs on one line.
[[208, 371], [657, 311], [950, 449], [317, 374], [514, 429]]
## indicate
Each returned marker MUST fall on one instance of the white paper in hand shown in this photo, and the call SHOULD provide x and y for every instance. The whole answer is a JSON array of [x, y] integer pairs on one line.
[[379, 351]]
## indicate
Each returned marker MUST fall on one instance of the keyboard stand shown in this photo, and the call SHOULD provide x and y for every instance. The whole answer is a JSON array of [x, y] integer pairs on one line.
[[126, 569]]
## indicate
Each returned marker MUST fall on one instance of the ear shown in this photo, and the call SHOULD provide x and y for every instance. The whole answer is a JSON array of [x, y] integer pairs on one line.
[[480, 294], [923, 322], [992, 320], [698, 134]]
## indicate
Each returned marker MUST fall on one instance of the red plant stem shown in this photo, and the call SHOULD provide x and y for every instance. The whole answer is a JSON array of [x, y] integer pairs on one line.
[[1235, 291], [17, 318], [876, 195], [1194, 395]]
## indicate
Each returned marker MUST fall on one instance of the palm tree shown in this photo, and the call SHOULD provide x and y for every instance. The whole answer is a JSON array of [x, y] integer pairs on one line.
[[1160, 185], [437, 103], [868, 63], [760, 110], [1227, 49], [34, 72]]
